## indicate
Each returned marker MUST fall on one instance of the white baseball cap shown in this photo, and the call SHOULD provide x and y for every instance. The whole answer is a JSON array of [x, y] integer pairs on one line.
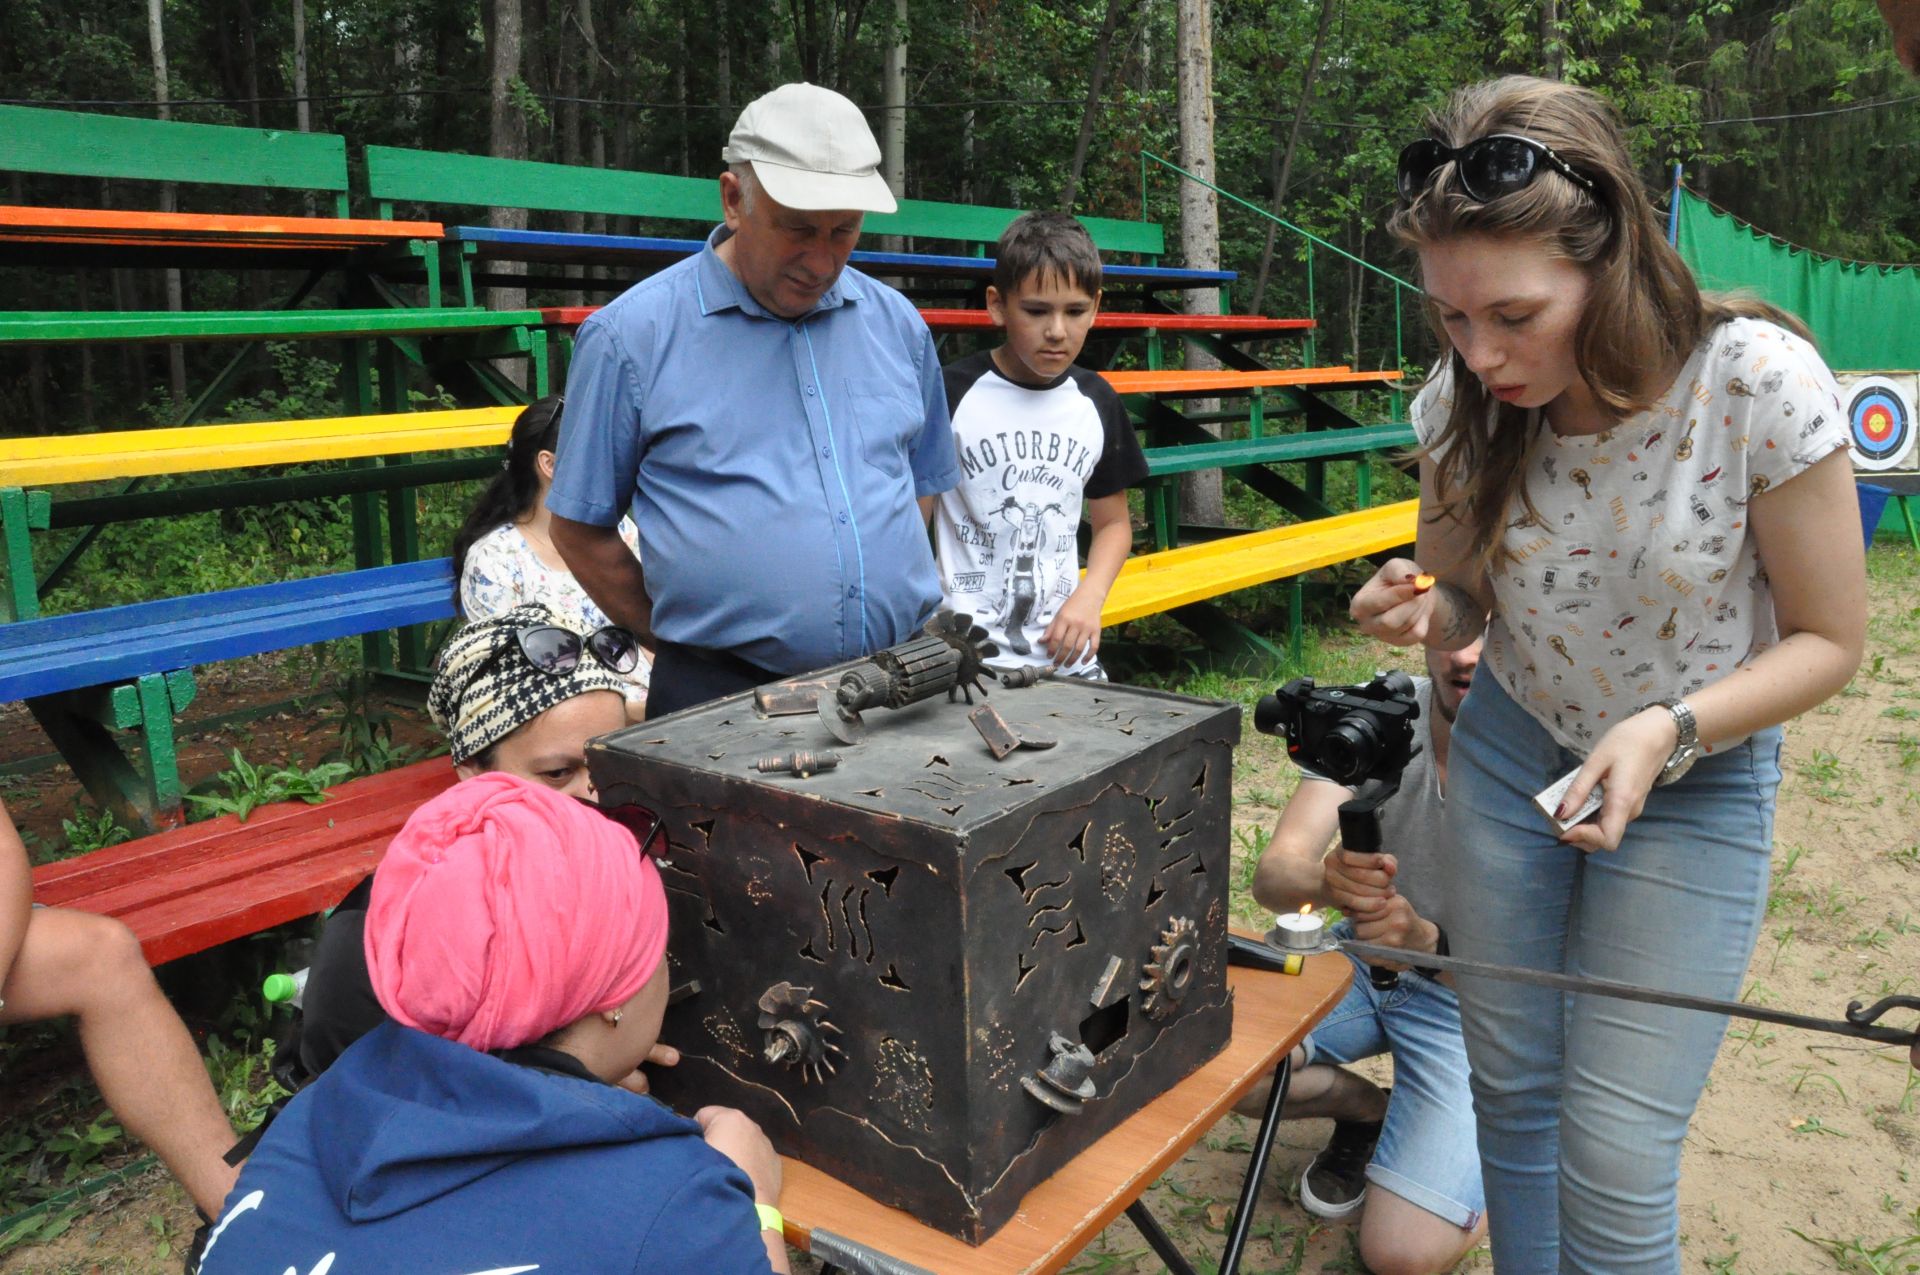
[[811, 150]]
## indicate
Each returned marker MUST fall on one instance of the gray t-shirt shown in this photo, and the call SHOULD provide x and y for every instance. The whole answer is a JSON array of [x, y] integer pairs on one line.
[[1410, 821]]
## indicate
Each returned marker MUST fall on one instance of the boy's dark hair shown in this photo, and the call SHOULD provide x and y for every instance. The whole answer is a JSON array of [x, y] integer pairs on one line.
[[1041, 243]]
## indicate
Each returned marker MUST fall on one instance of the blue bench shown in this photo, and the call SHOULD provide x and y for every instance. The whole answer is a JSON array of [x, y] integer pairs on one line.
[[130, 667], [557, 247]]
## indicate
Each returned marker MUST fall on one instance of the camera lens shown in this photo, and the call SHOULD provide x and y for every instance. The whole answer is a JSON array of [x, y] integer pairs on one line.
[[1350, 748]]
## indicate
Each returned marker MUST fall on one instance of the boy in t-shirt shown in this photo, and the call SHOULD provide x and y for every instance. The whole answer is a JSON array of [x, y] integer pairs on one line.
[[1035, 435]]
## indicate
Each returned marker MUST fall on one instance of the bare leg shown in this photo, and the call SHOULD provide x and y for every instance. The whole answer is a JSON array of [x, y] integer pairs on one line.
[[1320, 1092], [1398, 1237], [143, 1060]]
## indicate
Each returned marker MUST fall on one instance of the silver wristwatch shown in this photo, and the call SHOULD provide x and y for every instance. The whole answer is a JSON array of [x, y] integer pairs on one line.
[[1686, 748]]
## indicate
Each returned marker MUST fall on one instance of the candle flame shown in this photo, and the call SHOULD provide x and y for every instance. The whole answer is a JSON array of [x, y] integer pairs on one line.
[[1305, 908]]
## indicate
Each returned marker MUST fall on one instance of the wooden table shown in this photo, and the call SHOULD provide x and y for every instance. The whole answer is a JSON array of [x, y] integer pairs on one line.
[[1061, 1216]]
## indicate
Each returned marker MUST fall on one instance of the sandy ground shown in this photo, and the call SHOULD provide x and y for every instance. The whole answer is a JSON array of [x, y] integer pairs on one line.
[[1801, 1156]]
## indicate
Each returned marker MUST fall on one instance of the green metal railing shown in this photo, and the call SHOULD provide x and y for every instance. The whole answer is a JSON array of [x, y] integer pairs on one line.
[[1400, 286]]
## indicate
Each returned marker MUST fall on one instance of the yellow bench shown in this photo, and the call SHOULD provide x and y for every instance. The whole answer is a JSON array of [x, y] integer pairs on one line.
[[1182, 581], [78, 458]]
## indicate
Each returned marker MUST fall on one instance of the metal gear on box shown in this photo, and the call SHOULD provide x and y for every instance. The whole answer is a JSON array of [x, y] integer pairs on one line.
[[935, 973]]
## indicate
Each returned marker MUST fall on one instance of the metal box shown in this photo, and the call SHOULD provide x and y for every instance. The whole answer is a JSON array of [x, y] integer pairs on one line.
[[935, 975]]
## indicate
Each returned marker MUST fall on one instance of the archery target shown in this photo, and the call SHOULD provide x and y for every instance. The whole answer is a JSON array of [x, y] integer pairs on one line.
[[1880, 422]]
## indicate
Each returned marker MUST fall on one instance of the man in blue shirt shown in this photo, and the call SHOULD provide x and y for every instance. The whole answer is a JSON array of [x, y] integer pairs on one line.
[[770, 416]]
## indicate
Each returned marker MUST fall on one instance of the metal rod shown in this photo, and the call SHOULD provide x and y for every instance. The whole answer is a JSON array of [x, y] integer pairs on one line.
[[1242, 1227], [1629, 992], [1157, 1239]]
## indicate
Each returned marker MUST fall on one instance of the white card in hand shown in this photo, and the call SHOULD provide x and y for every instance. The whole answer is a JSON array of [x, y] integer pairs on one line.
[[1549, 801]]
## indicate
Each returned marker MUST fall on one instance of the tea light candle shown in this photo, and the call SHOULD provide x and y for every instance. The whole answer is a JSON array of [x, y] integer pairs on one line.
[[1299, 931]]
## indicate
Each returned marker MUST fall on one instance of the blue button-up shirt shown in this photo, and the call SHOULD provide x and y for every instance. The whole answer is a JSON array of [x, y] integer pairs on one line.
[[771, 465]]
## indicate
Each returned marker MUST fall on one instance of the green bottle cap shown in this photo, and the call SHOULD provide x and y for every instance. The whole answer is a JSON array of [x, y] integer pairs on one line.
[[279, 987]]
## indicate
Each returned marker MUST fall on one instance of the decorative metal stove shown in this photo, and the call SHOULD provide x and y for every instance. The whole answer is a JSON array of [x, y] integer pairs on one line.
[[943, 966]]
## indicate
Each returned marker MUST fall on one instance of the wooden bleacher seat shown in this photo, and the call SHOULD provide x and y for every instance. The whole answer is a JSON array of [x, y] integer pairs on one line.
[[40, 142], [1174, 383], [96, 648], [191, 888], [1277, 449], [54, 327], [115, 229], [192, 449], [129, 668], [1240, 326], [1173, 578], [396, 175]]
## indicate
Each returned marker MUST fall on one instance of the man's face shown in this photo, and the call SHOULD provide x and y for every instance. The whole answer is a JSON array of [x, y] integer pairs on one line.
[[1451, 672], [1046, 319], [552, 748], [786, 258], [1903, 19]]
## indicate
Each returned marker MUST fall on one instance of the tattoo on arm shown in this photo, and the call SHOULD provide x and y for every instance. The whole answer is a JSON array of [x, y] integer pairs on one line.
[[1464, 617]]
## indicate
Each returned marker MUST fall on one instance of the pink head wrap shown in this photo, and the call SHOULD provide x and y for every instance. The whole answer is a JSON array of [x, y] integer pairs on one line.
[[504, 910]]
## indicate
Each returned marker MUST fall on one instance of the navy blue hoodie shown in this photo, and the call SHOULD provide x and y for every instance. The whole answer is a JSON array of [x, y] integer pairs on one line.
[[419, 1155]]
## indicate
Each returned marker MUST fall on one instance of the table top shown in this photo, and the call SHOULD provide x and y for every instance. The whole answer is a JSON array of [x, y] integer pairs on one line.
[[1061, 1216]]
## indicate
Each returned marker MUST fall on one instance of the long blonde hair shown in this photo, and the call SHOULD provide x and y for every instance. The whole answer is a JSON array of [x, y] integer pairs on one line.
[[1644, 312]]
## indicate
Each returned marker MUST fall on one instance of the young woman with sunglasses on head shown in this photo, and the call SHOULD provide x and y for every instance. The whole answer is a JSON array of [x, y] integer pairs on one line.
[[1649, 491], [521, 693], [503, 554]]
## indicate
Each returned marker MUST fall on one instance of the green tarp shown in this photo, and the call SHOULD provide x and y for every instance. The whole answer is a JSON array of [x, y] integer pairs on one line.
[[1865, 317]]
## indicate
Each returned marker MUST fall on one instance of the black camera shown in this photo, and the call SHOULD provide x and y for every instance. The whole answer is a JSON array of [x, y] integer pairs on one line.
[[1350, 734]]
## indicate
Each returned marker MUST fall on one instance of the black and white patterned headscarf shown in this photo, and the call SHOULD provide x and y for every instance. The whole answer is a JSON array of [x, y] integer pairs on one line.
[[478, 712]]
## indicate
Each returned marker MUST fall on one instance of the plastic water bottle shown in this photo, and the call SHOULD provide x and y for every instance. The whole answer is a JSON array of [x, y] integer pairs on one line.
[[285, 989]]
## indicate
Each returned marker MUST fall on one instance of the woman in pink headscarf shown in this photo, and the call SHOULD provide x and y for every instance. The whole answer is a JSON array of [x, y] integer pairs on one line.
[[517, 939]]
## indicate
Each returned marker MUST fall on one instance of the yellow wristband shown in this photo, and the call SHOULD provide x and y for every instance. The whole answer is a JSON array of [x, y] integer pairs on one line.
[[770, 1219]]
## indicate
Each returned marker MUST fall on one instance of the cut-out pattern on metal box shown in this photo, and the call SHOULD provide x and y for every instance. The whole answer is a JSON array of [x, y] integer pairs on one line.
[[936, 975]]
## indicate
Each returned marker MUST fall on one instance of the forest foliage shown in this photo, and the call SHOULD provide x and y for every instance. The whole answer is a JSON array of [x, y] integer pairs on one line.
[[1795, 116]]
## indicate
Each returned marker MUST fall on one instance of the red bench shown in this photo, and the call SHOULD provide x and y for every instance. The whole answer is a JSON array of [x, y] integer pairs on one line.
[[196, 887], [1230, 325]]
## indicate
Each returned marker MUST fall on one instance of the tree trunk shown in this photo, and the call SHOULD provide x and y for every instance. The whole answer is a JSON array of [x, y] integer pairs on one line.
[[1200, 491], [1096, 82], [1283, 168], [507, 138], [680, 96], [723, 63], [893, 119], [1551, 49], [169, 193], [596, 126]]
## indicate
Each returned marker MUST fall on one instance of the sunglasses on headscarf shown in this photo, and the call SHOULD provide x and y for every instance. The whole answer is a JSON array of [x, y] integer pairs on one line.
[[556, 651], [1488, 167], [648, 831]]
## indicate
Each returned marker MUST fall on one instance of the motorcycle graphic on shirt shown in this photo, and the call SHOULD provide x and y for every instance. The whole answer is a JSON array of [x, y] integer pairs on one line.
[[1024, 586]]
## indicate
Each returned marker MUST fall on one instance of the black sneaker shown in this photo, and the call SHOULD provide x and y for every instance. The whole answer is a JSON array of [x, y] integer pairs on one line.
[[1335, 1182]]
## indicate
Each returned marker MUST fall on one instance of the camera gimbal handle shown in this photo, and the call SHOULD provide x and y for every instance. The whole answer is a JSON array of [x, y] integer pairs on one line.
[[1360, 833]]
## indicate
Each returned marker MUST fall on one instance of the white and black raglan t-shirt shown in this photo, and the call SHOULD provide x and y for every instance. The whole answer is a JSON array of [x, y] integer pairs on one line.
[[1006, 533]]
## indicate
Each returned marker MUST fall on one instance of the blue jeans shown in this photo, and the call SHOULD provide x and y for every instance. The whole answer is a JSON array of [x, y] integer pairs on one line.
[[1582, 1102], [1426, 1153]]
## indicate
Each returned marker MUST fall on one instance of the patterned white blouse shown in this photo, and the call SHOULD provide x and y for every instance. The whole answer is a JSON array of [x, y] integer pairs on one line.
[[502, 571], [1643, 583]]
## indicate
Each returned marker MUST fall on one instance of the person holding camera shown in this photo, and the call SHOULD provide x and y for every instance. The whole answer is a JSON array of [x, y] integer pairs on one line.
[[1408, 1166], [1642, 496]]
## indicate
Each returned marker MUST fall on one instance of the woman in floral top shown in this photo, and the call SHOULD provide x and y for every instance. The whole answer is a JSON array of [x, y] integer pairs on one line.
[[1641, 496], [503, 556]]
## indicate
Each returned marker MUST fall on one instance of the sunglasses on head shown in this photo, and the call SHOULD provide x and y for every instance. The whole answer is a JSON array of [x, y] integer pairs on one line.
[[1488, 167], [556, 651], [648, 832]]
